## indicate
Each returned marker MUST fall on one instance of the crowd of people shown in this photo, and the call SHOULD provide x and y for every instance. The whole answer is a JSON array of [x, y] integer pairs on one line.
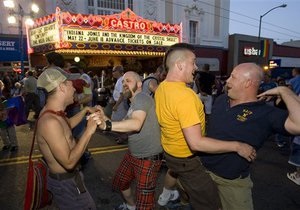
[[17, 97], [163, 117]]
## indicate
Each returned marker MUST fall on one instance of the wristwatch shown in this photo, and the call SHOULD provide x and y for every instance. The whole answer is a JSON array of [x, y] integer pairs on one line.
[[107, 125]]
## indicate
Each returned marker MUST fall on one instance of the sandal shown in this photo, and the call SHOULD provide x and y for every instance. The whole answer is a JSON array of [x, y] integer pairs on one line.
[[294, 177]]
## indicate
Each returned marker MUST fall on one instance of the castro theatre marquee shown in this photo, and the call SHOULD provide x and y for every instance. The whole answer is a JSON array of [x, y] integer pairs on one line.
[[123, 34]]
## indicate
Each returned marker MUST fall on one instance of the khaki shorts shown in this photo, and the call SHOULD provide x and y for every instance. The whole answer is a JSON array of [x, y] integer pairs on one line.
[[235, 194]]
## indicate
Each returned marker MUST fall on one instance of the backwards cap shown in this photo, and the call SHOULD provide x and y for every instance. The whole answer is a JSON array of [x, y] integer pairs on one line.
[[53, 76], [86, 78]]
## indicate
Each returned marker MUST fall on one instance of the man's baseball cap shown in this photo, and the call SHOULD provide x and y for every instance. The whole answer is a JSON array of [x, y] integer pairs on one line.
[[53, 76], [86, 78]]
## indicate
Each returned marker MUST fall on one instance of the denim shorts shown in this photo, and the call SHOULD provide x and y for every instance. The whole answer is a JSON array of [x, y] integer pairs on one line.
[[295, 152]]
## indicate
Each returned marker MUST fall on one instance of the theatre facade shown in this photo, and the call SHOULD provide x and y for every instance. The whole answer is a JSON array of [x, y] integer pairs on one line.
[[102, 41]]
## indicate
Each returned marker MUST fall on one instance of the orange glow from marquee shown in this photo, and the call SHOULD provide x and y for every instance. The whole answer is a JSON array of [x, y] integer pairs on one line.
[[94, 32]]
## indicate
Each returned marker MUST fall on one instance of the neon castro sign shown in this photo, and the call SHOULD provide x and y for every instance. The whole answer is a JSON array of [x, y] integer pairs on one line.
[[249, 51], [128, 24]]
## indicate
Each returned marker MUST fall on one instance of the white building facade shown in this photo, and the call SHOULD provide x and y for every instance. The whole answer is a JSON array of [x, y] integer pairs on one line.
[[204, 23]]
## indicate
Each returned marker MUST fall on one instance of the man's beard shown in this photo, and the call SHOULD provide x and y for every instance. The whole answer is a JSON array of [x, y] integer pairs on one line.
[[128, 93]]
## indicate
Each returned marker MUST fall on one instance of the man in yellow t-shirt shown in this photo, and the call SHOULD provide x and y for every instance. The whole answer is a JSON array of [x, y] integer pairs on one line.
[[176, 113], [182, 120]]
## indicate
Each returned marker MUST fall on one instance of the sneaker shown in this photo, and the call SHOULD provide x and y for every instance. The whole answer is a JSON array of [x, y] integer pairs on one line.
[[123, 206], [294, 177], [162, 200], [14, 148], [6, 147]]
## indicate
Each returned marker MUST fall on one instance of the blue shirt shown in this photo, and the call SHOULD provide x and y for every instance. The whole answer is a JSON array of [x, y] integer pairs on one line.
[[295, 83], [267, 86], [252, 123]]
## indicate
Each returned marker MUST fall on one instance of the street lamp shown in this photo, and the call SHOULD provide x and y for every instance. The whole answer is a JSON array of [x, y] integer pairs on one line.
[[12, 19], [260, 18]]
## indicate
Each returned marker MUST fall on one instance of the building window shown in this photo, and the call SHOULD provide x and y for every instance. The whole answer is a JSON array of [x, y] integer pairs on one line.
[[130, 4], [193, 32], [90, 3], [108, 7], [217, 18]]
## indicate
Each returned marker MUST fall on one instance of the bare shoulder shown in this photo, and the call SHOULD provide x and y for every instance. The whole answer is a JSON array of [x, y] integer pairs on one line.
[[47, 121]]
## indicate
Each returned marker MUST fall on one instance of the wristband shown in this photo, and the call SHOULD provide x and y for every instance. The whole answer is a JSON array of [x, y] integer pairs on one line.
[[108, 125]]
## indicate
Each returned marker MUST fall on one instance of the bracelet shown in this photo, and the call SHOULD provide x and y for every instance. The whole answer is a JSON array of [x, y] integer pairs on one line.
[[108, 125]]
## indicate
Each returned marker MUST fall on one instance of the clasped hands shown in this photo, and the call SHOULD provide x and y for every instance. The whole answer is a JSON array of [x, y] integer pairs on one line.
[[97, 114]]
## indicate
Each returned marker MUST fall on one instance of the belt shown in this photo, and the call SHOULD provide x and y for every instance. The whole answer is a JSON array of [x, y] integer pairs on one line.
[[74, 174], [64, 176], [159, 156]]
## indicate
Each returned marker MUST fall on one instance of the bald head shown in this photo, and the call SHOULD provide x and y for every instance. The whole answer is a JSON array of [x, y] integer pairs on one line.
[[243, 83], [133, 75], [132, 84], [250, 71]]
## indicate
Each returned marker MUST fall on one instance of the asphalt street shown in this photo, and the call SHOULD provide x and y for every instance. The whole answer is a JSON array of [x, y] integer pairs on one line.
[[272, 190]]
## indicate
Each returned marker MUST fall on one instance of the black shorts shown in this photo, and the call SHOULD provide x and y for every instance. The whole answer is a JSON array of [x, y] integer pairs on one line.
[[197, 183]]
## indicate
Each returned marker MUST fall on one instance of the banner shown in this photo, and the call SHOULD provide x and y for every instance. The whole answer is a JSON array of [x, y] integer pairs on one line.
[[264, 46]]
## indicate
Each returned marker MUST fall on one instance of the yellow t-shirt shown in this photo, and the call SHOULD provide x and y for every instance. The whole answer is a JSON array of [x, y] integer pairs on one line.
[[177, 107]]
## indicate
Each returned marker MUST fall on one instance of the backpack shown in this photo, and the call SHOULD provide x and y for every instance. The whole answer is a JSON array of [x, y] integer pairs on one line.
[[148, 78]]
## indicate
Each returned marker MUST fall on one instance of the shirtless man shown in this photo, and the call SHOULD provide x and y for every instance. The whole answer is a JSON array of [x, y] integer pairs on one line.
[[56, 143]]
